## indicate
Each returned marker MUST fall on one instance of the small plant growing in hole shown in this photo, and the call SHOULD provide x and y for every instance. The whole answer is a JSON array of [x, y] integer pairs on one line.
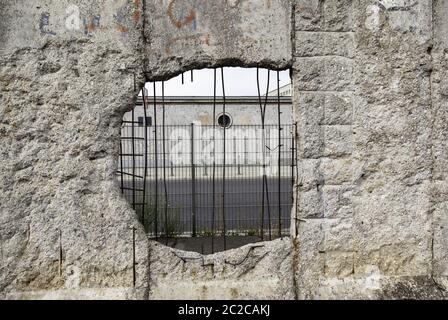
[[147, 214], [253, 232], [172, 225], [206, 233]]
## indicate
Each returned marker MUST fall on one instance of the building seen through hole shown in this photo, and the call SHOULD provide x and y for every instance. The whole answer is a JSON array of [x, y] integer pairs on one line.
[[207, 158]]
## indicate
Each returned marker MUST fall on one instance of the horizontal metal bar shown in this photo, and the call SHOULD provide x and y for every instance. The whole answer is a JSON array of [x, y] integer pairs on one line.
[[126, 188], [135, 122], [131, 138], [129, 174]]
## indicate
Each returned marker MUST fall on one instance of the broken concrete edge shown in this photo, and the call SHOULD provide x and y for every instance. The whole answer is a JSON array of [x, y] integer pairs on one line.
[[171, 69], [234, 273]]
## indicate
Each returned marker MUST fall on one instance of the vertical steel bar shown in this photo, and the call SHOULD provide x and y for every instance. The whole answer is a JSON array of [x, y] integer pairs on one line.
[[214, 161], [224, 163], [279, 157], [164, 161], [268, 204], [121, 163], [143, 206], [264, 158], [193, 183], [156, 179], [262, 151], [133, 158], [263, 147]]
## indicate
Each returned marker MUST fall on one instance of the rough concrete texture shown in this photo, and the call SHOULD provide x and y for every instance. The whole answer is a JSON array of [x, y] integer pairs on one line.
[[370, 101], [372, 219], [255, 271]]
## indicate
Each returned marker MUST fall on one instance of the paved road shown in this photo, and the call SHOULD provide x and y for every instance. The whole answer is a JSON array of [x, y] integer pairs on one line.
[[243, 199]]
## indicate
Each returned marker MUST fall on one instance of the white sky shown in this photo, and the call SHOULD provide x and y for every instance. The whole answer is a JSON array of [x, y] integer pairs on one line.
[[238, 82]]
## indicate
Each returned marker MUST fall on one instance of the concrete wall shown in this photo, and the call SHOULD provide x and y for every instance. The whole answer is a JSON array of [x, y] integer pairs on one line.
[[369, 99], [366, 106]]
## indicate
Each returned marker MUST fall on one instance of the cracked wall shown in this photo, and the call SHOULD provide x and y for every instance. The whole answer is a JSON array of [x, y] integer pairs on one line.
[[369, 100]]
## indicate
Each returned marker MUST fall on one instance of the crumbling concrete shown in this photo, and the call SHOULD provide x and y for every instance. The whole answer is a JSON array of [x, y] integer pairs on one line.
[[370, 101]]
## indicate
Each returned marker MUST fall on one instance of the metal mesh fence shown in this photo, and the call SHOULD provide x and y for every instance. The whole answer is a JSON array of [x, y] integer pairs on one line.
[[191, 180]]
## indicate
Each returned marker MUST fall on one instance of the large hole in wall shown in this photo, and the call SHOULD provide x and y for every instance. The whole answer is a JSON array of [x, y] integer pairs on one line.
[[207, 158]]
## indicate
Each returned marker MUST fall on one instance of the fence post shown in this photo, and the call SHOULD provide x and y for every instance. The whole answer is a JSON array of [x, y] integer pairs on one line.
[[193, 184]]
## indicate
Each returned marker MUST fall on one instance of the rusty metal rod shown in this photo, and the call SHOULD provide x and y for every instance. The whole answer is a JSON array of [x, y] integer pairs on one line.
[[164, 163], [214, 162], [156, 165], [224, 162], [133, 159], [279, 157], [145, 173]]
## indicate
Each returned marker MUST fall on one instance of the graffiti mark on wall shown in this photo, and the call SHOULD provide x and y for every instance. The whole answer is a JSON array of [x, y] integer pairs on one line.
[[73, 20], [179, 19], [120, 19], [137, 13], [91, 24], [44, 23]]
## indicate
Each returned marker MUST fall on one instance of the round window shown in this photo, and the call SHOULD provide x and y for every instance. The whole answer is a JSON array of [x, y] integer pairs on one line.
[[224, 120]]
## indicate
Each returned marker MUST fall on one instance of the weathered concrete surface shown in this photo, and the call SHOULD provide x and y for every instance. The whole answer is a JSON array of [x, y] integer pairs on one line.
[[439, 84], [63, 224], [371, 227], [199, 33], [256, 271], [65, 230], [371, 105]]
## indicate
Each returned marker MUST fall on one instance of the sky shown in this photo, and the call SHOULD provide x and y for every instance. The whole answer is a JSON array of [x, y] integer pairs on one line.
[[238, 82]]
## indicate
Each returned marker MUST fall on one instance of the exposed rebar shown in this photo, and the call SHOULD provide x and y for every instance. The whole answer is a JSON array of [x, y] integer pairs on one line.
[[156, 189], [164, 162], [133, 158], [214, 161], [224, 163], [146, 156], [279, 157], [263, 146]]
